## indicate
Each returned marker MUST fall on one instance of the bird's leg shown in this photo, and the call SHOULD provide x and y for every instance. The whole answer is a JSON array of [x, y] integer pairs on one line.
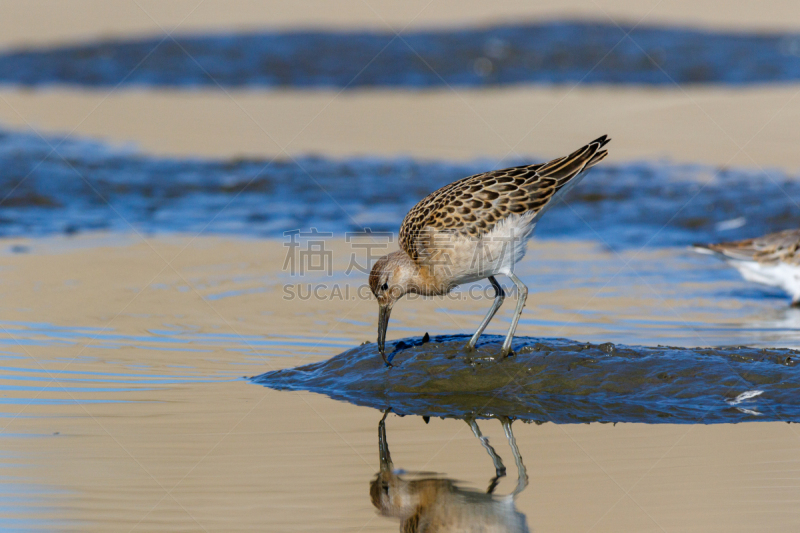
[[522, 472], [499, 295], [522, 295], [499, 467]]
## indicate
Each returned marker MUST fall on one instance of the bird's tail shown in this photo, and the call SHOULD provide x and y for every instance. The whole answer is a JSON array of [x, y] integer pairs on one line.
[[565, 168], [568, 170], [600, 154], [705, 249], [729, 251]]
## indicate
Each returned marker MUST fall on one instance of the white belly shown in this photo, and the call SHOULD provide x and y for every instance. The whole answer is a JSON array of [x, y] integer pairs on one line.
[[468, 259], [782, 275]]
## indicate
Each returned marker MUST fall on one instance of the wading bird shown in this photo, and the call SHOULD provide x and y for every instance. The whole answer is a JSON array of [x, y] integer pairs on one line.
[[473, 229], [772, 260]]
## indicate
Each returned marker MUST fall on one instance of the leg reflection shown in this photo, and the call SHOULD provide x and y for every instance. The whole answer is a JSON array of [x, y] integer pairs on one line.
[[522, 472], [499, 468]]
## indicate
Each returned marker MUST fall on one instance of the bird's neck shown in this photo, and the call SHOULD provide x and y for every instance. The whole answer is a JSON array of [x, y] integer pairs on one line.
[[429, 284], [417, 278]]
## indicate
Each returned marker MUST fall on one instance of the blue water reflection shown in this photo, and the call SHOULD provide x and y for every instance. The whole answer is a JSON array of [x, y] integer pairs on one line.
[[548, 53], [86, 186]]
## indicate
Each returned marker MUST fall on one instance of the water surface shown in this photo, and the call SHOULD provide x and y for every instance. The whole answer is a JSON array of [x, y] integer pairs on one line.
[[55, 185], [123, 403]]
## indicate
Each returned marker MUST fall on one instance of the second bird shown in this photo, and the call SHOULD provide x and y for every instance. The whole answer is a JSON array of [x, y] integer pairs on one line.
[[473, 229]]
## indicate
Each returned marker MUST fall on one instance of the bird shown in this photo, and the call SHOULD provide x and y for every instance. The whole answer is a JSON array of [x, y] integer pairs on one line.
[[473, 229], [772, 259]]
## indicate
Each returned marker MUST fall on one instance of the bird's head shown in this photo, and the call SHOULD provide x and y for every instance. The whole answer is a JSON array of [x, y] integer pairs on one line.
[[392, 277]]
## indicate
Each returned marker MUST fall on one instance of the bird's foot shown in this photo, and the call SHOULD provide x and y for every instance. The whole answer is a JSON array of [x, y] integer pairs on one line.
[[507, 353]]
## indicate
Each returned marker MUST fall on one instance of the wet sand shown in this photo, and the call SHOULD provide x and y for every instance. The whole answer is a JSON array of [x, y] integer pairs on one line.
[[744, 127], [187, 444], [43, 22]]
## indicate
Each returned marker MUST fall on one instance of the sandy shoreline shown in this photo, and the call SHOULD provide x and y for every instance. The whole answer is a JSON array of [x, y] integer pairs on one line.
[[687, 125], [50, 22]]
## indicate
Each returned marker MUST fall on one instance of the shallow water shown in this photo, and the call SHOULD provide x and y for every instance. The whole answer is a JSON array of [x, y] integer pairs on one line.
[[123, 401], [551, 52], [123, 404]]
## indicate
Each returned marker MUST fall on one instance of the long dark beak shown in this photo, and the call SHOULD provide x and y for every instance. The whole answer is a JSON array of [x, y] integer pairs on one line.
[[383, 322]]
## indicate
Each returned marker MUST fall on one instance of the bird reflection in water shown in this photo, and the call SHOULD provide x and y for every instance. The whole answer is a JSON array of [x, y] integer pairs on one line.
[[438, 504]]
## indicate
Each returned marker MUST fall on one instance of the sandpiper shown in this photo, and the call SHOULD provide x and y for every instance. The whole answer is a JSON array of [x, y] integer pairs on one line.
[[473, 229], [773, 259]]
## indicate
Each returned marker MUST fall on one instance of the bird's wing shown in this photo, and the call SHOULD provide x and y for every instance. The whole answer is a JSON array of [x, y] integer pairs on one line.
[[472, 206], [781, 247]]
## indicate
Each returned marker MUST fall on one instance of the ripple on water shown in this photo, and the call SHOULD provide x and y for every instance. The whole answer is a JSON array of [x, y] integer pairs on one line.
[[21, 334], [49, 365], [560, 380]]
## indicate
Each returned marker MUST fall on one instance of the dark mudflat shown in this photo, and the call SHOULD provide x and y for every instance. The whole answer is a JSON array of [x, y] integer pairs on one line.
[[560, 380]]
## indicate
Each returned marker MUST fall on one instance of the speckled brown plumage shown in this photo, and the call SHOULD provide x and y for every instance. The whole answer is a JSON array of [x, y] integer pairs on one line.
[[473, 229], [472, 206], [781, 247]]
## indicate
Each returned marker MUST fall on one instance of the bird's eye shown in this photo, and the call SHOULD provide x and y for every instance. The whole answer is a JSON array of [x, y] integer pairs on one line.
[[384, 286]]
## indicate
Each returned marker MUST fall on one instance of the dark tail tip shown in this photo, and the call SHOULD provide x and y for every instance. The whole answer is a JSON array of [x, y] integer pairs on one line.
[[602, 141]]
